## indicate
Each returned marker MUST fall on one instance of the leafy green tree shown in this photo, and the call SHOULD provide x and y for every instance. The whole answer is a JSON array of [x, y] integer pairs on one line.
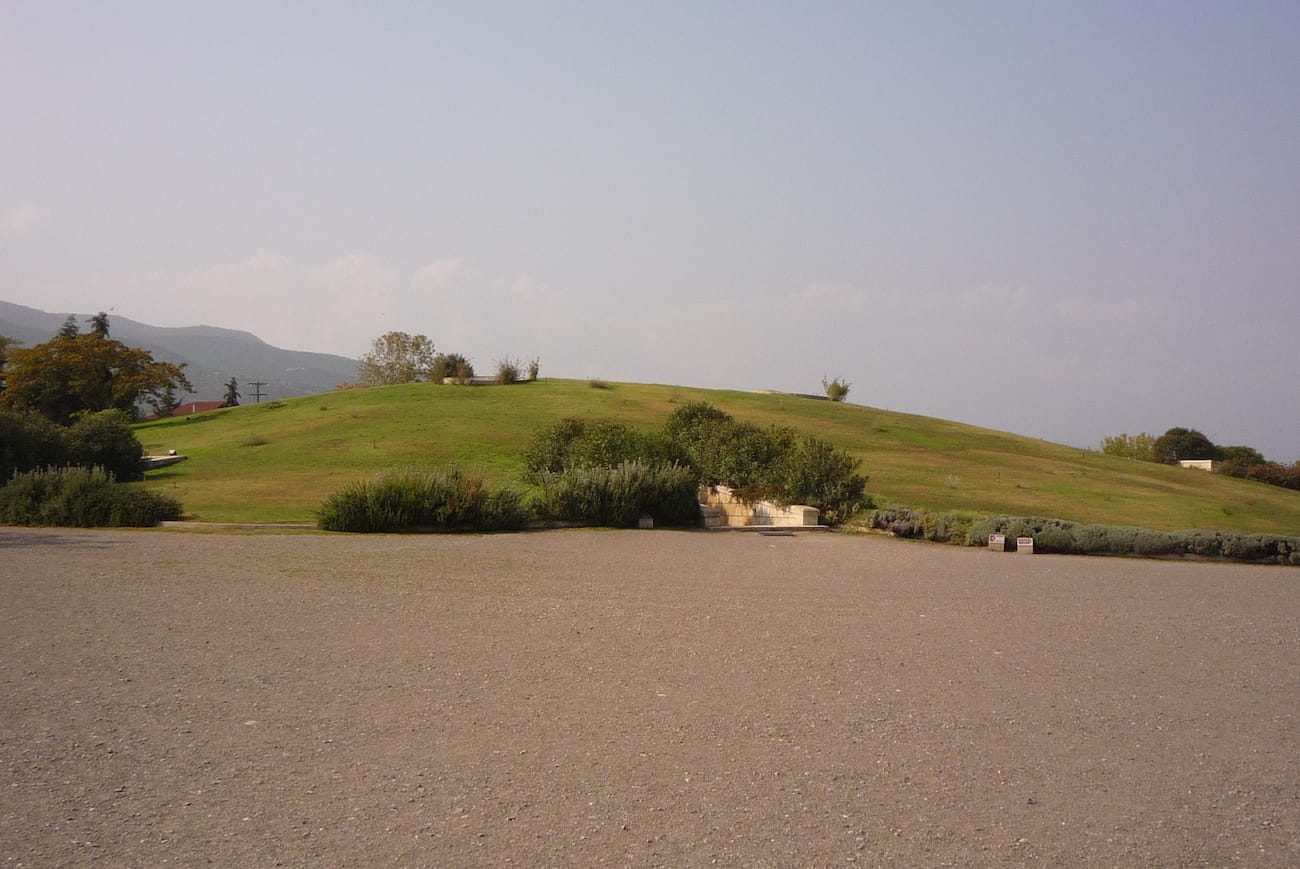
[[72, 373], [1235, 461], [397, 357], [232, 394], [70, 328], [1129, 446], [1179, 444], [1246, 456]]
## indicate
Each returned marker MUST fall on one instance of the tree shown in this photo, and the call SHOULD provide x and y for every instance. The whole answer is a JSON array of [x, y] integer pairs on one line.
[[232, 394], [164, 401], [1129, 446], [99, 325], [72, 373], [1246, 456], [69, 329], [397, 357], [1179, 444]]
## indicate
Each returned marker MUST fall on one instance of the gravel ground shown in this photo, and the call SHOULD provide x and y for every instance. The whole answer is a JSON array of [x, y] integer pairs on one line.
[[657, 698]]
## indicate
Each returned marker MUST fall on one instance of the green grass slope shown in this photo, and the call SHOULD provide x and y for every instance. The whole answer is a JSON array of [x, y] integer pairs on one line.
[[278, 461]]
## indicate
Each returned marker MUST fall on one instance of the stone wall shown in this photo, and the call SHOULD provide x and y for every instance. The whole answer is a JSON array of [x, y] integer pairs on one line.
[[719, 507]]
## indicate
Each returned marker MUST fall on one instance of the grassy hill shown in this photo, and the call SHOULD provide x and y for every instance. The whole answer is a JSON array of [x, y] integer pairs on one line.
[[277, 461]]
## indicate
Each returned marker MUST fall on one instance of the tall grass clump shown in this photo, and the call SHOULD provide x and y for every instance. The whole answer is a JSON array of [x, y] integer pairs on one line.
[[508, 371], [409, 500], [81, 498], [618, 496]]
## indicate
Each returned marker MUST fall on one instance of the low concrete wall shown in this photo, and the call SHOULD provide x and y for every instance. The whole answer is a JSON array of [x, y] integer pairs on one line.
[[719, 507]]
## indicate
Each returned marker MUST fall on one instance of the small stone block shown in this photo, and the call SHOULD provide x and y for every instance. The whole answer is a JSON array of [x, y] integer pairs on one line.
[[997, 543], [1025, 545], [646, 521]]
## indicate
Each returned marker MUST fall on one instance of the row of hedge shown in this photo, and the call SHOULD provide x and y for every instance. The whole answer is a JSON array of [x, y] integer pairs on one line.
[[457, 500], [1075, 538], [81, 498]]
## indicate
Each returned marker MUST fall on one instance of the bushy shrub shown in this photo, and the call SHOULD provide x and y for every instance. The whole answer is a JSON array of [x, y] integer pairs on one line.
[[508, 371], [451, 365], [955, 528], [577, 443], [772, 463], [1150, 543], [837, 389], [405, 499], [105, 440], [898, 521], [82, 498], [28, 441], [618, 496], [817, 474]]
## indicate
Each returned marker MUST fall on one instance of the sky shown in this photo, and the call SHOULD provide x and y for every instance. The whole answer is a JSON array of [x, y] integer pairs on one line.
[[1065, 220]]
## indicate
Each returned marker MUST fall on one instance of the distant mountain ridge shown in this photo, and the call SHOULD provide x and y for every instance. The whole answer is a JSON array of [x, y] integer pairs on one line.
[[211, 355]]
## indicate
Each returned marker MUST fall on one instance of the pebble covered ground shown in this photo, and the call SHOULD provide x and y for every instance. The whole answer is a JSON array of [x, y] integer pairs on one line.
[[638, 698]]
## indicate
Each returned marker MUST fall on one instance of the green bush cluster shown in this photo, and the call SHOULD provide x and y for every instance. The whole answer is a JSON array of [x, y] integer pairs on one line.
[[576, 443], [618, 496], [757, 463], [406, 499], [29, 441], [83, 498], [773, 463]]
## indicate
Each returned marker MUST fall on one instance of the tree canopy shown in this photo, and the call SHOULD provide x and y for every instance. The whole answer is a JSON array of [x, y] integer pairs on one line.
[[397, 357], [1179, 444], [73, 372], [1129, 446]]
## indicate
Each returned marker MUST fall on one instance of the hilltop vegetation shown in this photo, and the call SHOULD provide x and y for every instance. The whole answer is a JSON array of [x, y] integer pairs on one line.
[[278, 461]]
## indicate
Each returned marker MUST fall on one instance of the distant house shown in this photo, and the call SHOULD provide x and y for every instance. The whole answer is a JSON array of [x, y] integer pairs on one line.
[[190, 407], [1201, 464]]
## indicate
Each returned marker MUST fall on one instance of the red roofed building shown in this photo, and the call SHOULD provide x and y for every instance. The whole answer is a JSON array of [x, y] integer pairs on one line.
[[190, 407]]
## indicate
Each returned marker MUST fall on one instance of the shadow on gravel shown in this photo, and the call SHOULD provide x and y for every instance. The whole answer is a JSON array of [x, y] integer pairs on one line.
[[40, 537]]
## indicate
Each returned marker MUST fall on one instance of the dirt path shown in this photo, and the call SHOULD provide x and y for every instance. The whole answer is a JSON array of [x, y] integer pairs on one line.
[[638, 698]]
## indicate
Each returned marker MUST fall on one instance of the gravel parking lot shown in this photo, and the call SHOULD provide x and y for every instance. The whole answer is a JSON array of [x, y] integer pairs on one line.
[[653, 698]]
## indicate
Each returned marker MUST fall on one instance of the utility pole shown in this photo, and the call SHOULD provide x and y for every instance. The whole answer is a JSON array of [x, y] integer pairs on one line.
[[257, 390]]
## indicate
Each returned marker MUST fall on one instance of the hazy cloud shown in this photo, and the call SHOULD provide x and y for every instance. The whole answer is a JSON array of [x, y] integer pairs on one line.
[[23, 219]]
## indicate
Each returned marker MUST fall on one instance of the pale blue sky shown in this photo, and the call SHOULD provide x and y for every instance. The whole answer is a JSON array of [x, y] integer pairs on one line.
[[1061, 219]]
